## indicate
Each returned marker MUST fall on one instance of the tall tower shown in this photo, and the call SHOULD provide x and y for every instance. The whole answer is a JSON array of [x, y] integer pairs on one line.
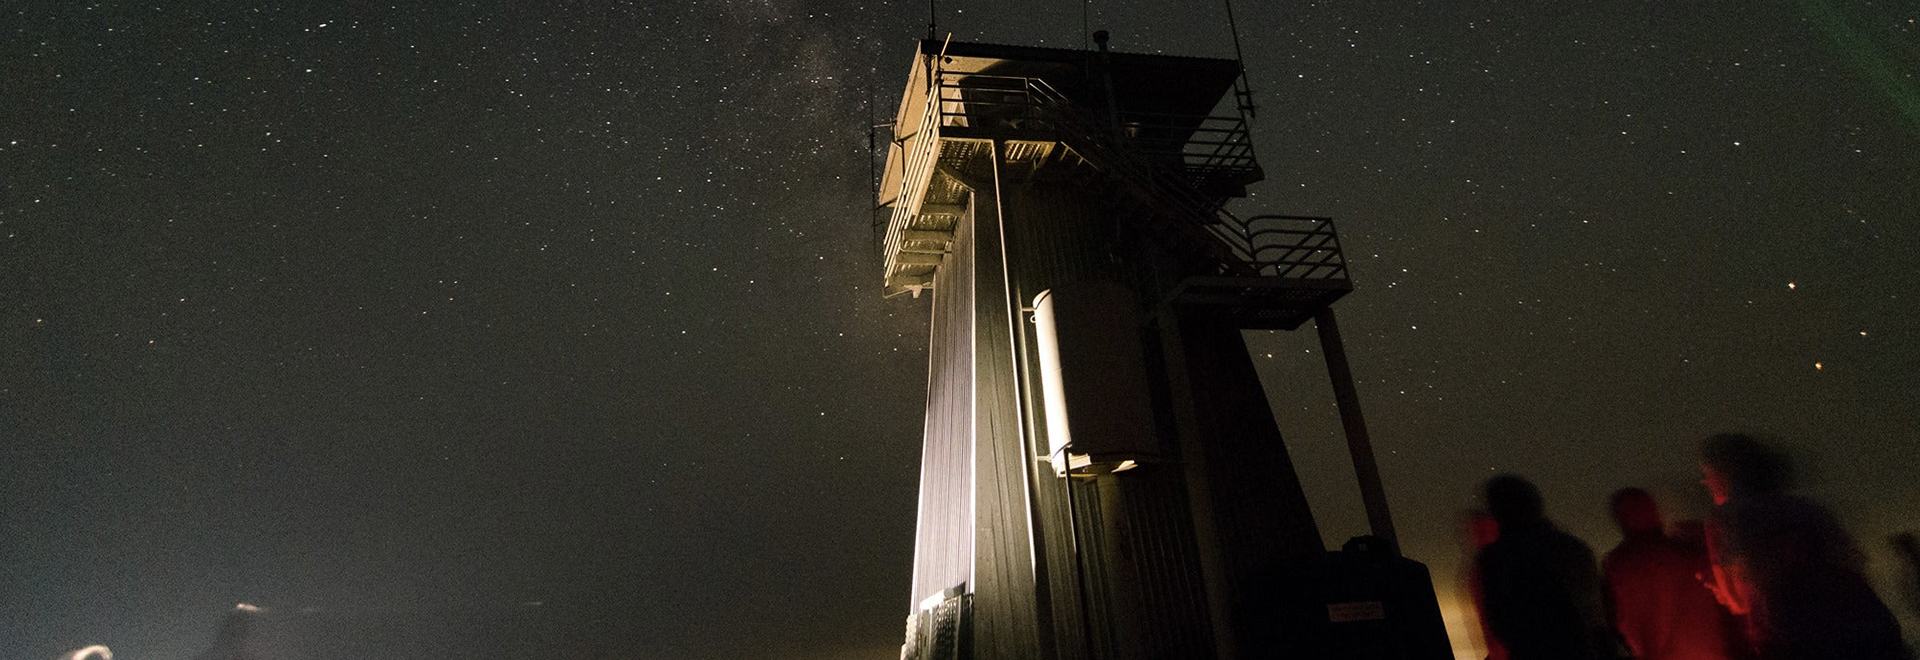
[[1102, 475]]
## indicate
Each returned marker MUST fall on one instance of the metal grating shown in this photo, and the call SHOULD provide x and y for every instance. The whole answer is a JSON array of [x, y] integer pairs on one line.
[[940, 632]]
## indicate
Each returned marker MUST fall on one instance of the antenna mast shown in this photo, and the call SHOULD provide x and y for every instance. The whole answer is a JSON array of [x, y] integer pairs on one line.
[[1084, 24], [1244, 91]]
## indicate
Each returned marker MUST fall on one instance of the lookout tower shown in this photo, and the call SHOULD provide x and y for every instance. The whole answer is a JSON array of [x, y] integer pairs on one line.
[[1102, 475]]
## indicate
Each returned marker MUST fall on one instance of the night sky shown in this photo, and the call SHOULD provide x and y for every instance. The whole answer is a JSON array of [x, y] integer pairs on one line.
[[498, 328]]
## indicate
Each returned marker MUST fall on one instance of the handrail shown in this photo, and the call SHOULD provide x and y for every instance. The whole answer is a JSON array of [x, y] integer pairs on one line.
[[915, 178], [1298, 247], [1190, 206], [1211, 143]]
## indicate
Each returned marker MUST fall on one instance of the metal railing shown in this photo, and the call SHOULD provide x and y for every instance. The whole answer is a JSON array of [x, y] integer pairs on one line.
[[1032, 104], [1160, 156], [1199, 145], [914, 178], [1300, 247], [1208, 146]]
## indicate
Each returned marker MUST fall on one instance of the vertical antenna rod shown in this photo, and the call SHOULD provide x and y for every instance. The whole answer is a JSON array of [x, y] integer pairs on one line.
[[1244, 92], [1084, 24], [873, 173]]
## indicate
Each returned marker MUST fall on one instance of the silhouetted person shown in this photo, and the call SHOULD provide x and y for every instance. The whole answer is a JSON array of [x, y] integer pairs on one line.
[[231, 640], [1540, 585], [1785, 563], [1482, 531], [1657, 601]]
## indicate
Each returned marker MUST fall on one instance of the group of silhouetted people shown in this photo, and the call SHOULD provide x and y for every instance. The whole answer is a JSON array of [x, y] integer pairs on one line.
[[1768, 576]]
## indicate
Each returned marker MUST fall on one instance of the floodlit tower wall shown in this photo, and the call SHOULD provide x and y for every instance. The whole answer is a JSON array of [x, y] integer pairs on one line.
[[1003, 183]]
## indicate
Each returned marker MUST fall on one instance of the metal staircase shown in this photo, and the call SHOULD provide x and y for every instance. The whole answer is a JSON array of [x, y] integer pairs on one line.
[[1266, 271]]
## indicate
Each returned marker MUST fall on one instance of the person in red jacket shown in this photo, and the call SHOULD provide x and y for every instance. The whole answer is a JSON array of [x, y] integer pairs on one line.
[[1656, 599], [1482, 531]]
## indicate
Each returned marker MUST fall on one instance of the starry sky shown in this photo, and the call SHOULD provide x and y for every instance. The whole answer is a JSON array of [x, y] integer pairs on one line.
[[500, 328]]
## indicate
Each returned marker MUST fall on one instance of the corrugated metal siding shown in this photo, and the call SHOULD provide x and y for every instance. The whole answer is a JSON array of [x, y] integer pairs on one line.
[[974, 508], [1165, 564], [1006, 612], [1113, 571], [1062, 577], [1051, 234], [1144, 595], [943, 544]]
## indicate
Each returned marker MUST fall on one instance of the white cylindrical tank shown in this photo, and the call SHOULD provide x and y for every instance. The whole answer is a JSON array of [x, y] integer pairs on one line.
[[1093, 377]]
